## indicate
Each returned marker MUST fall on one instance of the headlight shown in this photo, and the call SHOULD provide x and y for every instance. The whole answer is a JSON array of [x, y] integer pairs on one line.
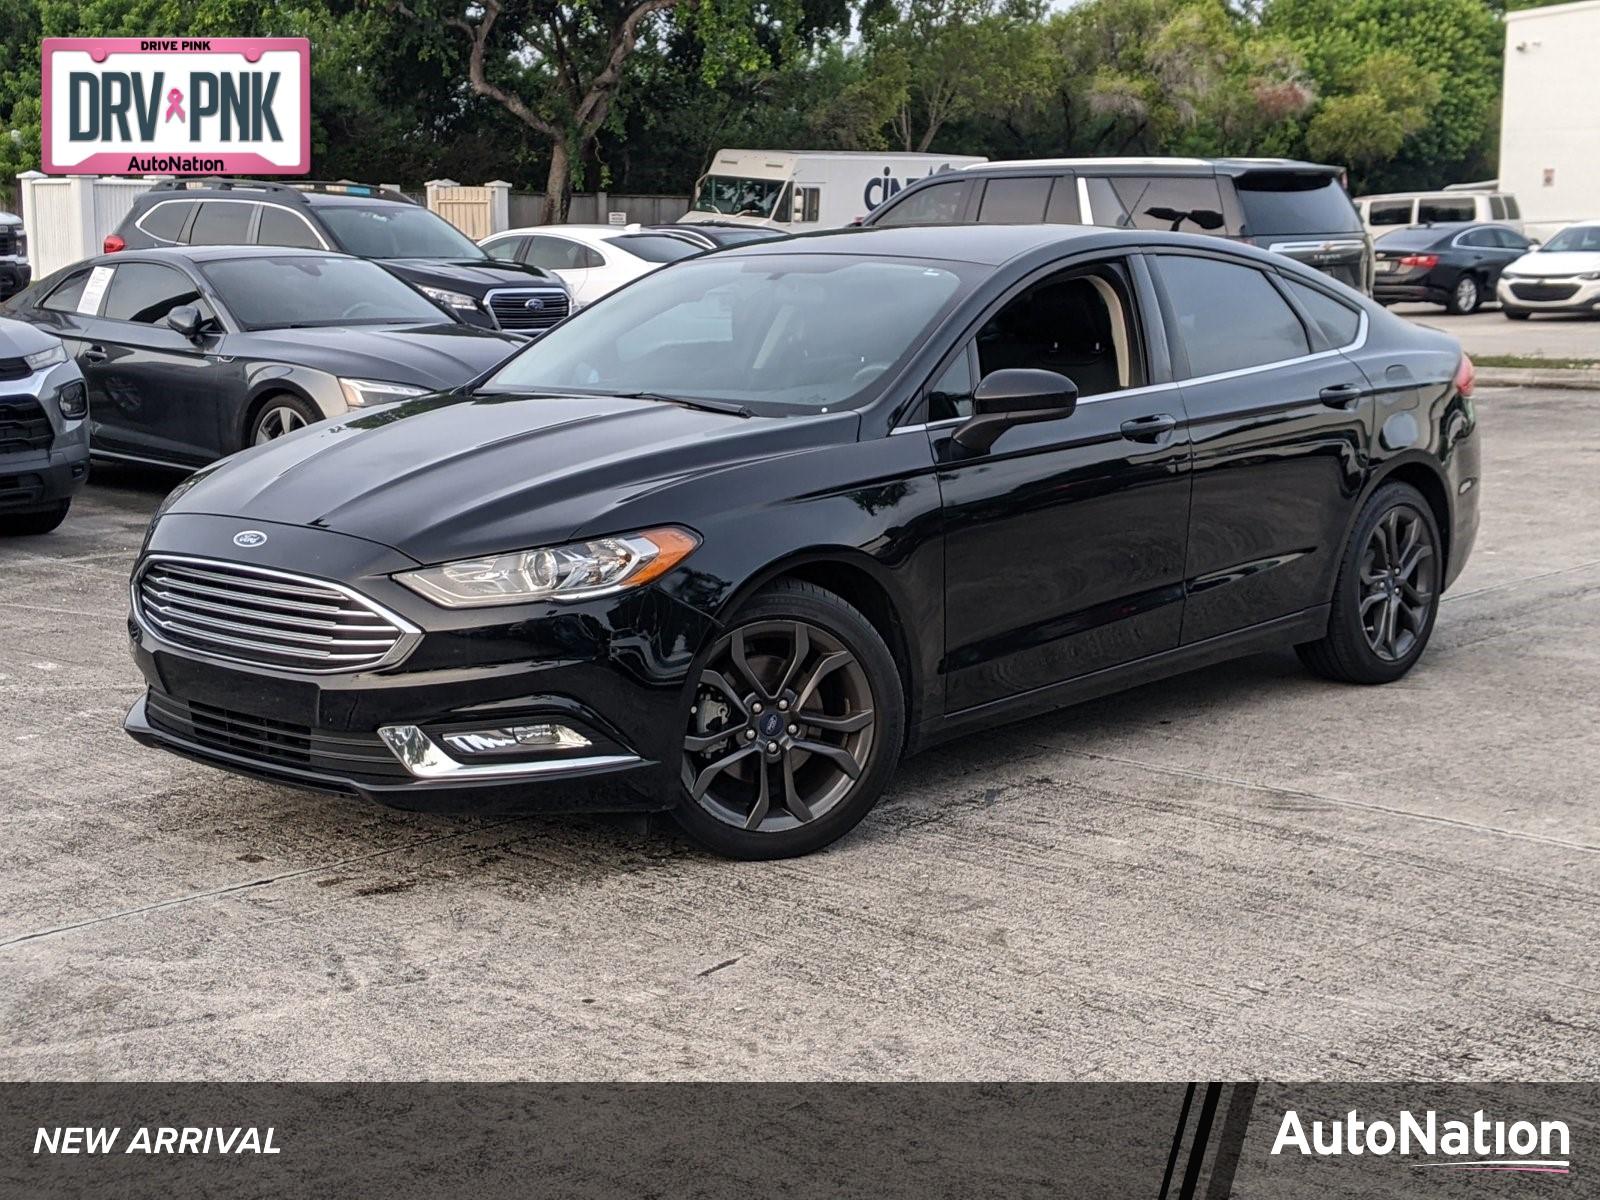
[[363, 393], [576, 571], [1590, 275], [48, 357], [450, 299]]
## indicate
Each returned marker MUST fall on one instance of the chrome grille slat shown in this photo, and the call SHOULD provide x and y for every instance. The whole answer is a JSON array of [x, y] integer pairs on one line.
[[267, 618]]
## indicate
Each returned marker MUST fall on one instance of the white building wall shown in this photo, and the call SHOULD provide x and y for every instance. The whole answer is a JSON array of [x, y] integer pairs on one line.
[[68, 216], [1550, 123]]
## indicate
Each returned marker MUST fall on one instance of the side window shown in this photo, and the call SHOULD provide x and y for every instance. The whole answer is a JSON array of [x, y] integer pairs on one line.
[[1063, 206], [1440, 209], [1497, 207], [221, 223], [951, 394], [1479, 237], [505, 249], [560, 254], [1513, 213], [1014, 201], [280, 227], [165, 220], [1510, 239], [1178, 203], [1105, 206], [1227, 316], [65, 295], [1339, 322], [936, 204], [145, 293], [1389, 212], [808, 204], [1078, 324]]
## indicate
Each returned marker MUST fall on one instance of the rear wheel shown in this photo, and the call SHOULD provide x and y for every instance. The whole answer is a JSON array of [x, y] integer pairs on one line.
[[795, 726], [280, 415], [1465, 297], [28, 523], [1387, 595]]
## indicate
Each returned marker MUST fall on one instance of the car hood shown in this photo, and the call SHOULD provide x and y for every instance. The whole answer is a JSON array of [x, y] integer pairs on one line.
[[433, 356], [474, 277], [441, 478], [1556, 262], [18, 338]]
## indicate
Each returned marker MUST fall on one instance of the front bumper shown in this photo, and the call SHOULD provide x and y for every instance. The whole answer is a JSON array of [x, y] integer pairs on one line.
[[14, 276], [35, 479], [615, 670], [1552, 294]]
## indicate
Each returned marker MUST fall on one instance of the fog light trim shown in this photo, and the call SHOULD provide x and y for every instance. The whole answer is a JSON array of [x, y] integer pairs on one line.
[[515, 738], [426, 759]]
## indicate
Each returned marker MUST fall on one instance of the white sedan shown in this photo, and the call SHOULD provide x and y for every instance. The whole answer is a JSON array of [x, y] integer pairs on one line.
[[591, 260], [1563, 275]]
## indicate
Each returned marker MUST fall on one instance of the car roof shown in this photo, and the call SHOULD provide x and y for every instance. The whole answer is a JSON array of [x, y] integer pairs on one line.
[[985, 245], [1160, 165]]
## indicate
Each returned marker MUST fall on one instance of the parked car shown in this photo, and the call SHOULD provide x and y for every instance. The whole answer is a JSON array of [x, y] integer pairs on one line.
[[592, 260], [1561, 276], [15, 271], [759, 524], [712, 236], [1453, 265], [369, 222], [1452, 206], [44, 438], [1296, 209], [193, 353]]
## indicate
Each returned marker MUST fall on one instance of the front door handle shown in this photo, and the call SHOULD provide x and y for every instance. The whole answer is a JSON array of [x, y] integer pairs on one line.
[[1340, 395], [94, 354], [1149, 429]]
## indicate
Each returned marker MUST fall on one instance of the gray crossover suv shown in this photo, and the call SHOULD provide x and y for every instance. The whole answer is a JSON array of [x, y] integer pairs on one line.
[[44, 434]]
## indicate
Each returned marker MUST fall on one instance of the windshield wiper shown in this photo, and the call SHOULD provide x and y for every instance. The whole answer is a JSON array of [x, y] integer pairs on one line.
[[717, 406]]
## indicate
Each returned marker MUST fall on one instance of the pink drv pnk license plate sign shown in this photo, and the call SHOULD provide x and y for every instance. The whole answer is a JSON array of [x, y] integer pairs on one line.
[[177, 106]]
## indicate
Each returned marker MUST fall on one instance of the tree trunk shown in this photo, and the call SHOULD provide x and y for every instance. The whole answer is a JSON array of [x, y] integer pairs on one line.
[[558, 187]]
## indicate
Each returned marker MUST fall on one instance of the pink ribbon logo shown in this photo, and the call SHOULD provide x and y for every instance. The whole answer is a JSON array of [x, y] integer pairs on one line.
[[175, 105]]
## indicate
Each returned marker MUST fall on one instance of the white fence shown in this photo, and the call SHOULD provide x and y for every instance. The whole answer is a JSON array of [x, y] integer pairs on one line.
[[68, 216]]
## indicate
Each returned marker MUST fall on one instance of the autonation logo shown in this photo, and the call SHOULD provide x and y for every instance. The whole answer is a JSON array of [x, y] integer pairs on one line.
[[1480, 1144]]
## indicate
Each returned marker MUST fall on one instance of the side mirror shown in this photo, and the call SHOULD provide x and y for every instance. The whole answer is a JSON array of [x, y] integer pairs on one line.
[[1018, 396], [185, 319]]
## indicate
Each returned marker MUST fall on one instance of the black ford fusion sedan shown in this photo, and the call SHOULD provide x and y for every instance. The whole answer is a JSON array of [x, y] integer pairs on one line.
[[191, 353], [757, 526]]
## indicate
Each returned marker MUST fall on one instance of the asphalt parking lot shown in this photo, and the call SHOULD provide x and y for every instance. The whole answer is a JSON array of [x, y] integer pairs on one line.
[[1488, 331], [1241, 873]]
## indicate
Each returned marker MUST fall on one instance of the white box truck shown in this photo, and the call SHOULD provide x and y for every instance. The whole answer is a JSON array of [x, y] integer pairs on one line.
[[800, 190]]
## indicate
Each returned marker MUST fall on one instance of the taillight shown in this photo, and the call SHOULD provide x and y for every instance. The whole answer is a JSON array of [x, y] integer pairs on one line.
[[1466, 376], [1428, 261], [112, 244]]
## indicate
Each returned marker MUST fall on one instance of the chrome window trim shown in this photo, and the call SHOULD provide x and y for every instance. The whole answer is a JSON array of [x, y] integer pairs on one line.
[[423, 758], [1149, 389], [410, 633], [139, 224]]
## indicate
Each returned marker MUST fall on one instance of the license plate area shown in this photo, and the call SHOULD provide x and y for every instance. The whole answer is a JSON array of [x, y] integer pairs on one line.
[[291, 701]]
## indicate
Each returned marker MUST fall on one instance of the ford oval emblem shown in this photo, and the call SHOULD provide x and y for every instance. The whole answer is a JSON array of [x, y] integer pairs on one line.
[[534, 304], [249, 538]]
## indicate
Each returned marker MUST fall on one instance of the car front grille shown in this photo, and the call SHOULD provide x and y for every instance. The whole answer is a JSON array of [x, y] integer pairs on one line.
[[273, 743], [267, 618], [8, 240], [23, 425], [1544, 291], [535, 308]]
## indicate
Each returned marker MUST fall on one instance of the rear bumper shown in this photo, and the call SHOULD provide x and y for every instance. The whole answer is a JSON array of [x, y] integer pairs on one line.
[[1401, 293]]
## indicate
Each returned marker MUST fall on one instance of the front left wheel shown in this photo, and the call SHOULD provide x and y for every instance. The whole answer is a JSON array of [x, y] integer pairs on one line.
[[794, 727], [279, 416]]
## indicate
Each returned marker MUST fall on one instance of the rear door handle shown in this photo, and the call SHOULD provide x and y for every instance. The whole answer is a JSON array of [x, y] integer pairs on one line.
[[1149, 429], [1341, 395], [94, 354]]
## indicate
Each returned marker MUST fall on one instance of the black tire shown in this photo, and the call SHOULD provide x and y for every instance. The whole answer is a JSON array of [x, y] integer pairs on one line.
[[277, 415], [1377, 588], [31, 523], [1515, 314], [1465, 297], [786, 637]]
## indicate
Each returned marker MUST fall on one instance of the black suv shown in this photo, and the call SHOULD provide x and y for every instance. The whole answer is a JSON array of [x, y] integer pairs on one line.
[[369, 222], [1295, 208]]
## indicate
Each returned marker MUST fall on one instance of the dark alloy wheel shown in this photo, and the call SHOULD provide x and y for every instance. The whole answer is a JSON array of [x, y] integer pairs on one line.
[[793, 726], [1387, 595], [279, 416]]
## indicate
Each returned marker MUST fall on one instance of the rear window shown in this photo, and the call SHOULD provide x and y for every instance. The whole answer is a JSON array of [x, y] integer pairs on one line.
[[656, 248], [1288, 202], [1412, 239]]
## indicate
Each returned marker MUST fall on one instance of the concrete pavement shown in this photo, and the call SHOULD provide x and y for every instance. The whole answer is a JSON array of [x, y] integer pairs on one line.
[[1244, 872], [1488, 331]]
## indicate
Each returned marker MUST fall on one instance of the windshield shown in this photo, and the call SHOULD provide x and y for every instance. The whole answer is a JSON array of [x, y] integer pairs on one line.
[[308, 290], [808, 331], [1576, 237], [396, 231], [738, 196], [1279, 202]]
